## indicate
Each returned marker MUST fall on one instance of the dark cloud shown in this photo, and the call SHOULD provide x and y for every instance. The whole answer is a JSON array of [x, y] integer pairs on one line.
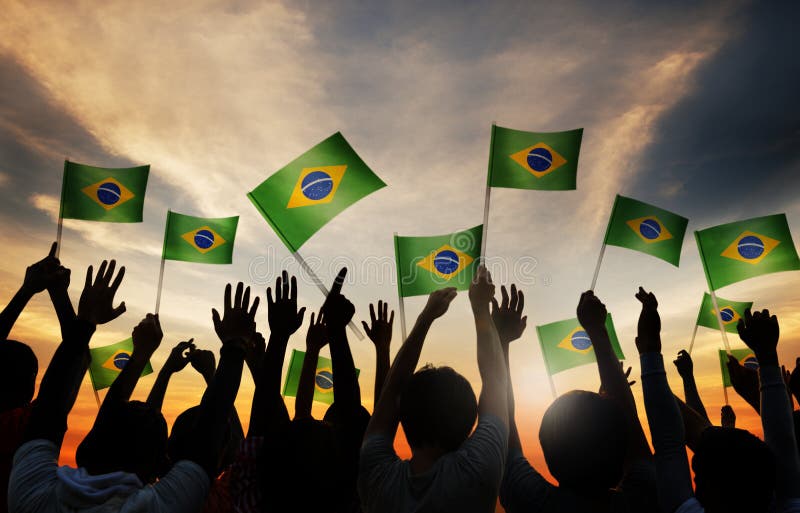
[[729, 148]]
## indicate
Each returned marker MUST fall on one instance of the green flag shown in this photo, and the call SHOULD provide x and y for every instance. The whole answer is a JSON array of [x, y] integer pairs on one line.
[[730, 311], [108, 361], [113, 195], [312, 189], [534, 160], [427, 264], [565, 344], [323, 380], [736, 251], [745, 356], [199, 239], [642, 227]]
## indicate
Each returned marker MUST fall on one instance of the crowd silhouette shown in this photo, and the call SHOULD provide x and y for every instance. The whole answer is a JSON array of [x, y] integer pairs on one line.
[[466, 451]]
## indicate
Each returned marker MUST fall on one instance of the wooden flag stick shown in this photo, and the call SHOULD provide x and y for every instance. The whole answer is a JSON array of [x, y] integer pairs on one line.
[[96, 397], [597, 268], [322, 288], [694, 334], [160, 283], [487, 199], [719, 321], [725, 392], [402, 303]]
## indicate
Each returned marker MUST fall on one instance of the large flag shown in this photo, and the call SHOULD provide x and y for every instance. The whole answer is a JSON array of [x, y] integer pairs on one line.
[[746, 357], [323, 380], [427, 264], [565, 344], [312, 189], [643, 227], [199, 239], [730, 311], [114, 195], [108, 361], [534, 160], [736, 251]]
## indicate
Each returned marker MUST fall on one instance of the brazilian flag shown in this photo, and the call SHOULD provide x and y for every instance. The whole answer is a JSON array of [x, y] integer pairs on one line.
[[534, 160], [730, 312], [565, 344], [736, 251], [113, 195], [108, 361], [746, 357], [199, 239], [304, 195], [643, 227], [323, 380], [427, 264]]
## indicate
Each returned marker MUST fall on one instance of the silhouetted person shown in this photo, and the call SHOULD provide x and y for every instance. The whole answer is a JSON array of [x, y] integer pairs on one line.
[[685, 367]]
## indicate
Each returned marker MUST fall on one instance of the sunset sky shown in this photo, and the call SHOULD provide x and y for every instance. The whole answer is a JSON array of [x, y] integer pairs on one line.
[[689, 106]]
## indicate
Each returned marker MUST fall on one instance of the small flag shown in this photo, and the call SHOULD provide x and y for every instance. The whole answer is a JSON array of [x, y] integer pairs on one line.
[[746, 357], [199, 239], [303, 196], [113, 195], [730, 312], [534, 160], [108, 361], [323, 380], [565, 344], [643, 227], [736, 251], [427, 264]]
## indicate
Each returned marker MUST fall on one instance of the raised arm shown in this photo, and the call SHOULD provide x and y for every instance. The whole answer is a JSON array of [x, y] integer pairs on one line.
[[666, 425], [60, 384], [685, 368], [760, 332], [385, 416], [744, 382], [316, 338], [176, 362], [146, 337], [338, 311], [379, 332], [592, 315], [491, 360]]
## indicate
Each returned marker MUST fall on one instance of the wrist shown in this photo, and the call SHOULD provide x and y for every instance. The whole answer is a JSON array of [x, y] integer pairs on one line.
[[26, 291], [767, 358], [234, 346]]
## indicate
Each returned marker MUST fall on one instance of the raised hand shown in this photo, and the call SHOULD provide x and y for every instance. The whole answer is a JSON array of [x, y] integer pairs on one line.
[[760, 332], [438, 303], [96, 304], [684, 364], [44, 273], [507, 315], [649, 329], [255, 354], [317, 336], [338, 310], [179, 356], [282, 313], [237, 324], [204, 362], [147, 335], [728, 417], [380, 330], [591, 311], [745, 382], [481, 291]]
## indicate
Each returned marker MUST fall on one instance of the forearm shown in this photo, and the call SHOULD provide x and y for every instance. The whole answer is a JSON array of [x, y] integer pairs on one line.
[[62, 305], [776, 418], [305, 386], [156, 397], [514, 442], [274, 356], [13, 309], [693, 424], [382, 363], [492, 366], [122, 387], [346, 392], [692, 396]]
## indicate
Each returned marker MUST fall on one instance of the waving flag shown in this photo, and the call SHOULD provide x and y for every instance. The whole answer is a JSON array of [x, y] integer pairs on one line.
[[534, 160], [746, 357], [643, 227], [323, 379], [427, 264], [737, 251], [565, 344], [303, 196], [108, 361], [114, 195], [199, 239], [730, 312]]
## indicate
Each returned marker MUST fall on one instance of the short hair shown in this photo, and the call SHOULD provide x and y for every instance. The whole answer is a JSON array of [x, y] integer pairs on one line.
[[18, 370], [734, 471], [437, 408], [584, 438], [182, 439], [128, 436]]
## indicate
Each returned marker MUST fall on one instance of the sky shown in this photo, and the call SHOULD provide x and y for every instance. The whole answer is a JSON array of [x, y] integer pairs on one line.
[[691, 106]]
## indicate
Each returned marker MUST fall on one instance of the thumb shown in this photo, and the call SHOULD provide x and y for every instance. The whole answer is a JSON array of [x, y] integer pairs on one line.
[[118, 311]]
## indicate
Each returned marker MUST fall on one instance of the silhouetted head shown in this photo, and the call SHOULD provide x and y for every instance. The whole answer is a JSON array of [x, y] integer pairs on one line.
[[18, 369], [437, 409], [734, 472], [183, 435], [584, 437], [298, 470], [130, 436]]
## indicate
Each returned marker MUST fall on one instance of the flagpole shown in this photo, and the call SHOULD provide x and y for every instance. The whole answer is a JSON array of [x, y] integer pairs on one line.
[[322, 288], [719, 321], [694, 334], [160, 283], [96, 397], [547, 365], [487, 199], [61, 212], [91, 380], [725, 391], [402, 303], [603, 247]]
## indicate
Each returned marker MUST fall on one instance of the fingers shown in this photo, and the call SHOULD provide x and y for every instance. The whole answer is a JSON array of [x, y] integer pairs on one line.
[[391, 319], [270, 302], [278, 289], [100, 273], [215, 318], [285, 290], [514, 297], [495, 306], [748, 317], [116, 312], [53, 248], [372, 313], [504, 295], [520, 301], [88, 283], [312, 319], [246, 298], [118, 280], [339, 281], [364, 324], [227, 298], [293, 292], [385, 314], [301, 314], [254, 308], [109, 272], [237, 300]]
